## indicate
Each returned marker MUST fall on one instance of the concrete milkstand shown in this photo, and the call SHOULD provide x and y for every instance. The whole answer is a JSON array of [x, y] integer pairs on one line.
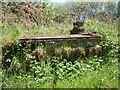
[[77, 38]]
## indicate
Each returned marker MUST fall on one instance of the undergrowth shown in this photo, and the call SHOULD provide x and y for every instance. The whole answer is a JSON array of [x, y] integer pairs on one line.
[[94, 72]]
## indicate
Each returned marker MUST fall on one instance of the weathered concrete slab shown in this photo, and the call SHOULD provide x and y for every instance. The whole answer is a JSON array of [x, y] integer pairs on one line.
[[60, 37]]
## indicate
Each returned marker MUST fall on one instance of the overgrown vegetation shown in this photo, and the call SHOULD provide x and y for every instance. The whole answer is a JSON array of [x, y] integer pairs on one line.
[[21, 69]]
